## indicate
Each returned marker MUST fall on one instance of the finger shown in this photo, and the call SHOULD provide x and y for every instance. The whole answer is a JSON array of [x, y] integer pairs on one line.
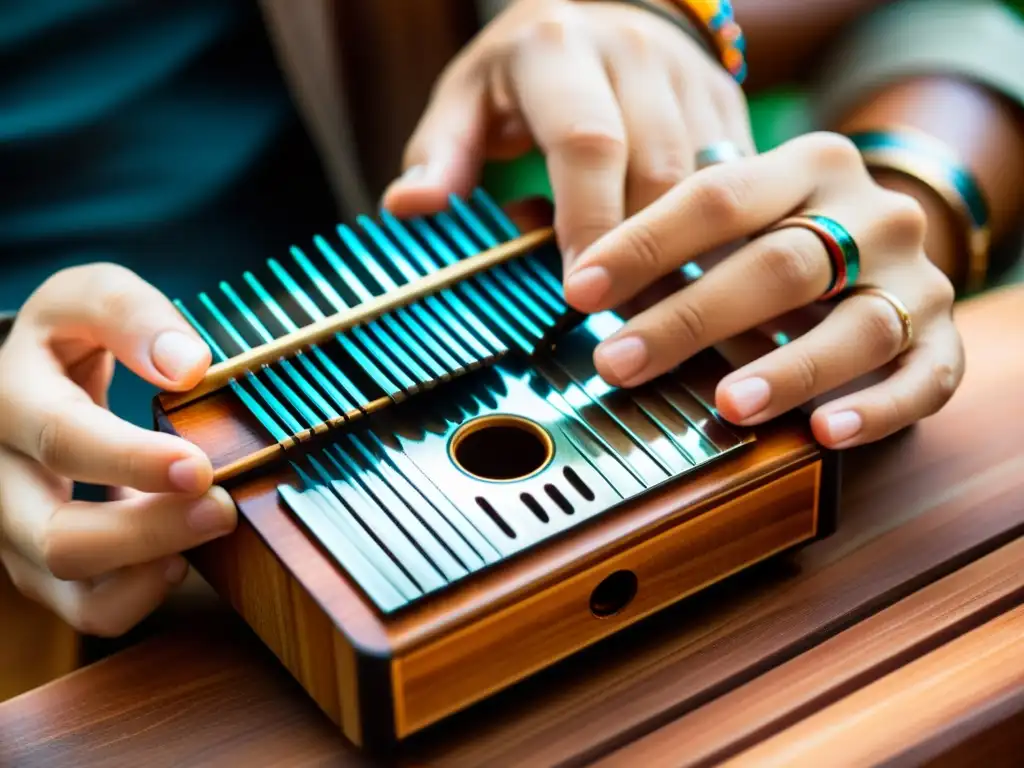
[[660, 151], [734, 115], [94, 374], [446, 151], [112, 308], [566, 98], [710, 209], [926, 380], [861, 335], [77, 540], [108, 608], [764, 279], [702, 120], [53, 422]]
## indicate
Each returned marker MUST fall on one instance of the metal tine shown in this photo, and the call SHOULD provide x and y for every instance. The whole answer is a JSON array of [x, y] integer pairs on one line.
[[377, 523], [498, 542], [447, 256], [310, 508], [506, 281], [618, 469], [427, 266], [346, 539], [414, 316], [438, 324], [361, 333], [606, 463], [641, 463], [687, 437], [289, 395], [414, 365], [576, 363], [250, 402], [289, 326], [392, 390], [463, 541], [423, 538], [304, 386], [488, 240], [487, 205]]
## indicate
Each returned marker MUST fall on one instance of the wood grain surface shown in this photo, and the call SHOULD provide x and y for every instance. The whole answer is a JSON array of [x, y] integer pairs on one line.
[[868, 650], [926, 547], [913, 710]]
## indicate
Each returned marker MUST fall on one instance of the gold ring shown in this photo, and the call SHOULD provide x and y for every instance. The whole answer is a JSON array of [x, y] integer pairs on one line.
[[896, 304]]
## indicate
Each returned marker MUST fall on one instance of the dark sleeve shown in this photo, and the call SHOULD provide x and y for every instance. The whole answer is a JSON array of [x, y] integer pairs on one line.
[[6, 322]]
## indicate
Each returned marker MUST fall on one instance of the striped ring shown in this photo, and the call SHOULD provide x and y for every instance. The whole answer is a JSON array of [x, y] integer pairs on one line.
[[842, 249]]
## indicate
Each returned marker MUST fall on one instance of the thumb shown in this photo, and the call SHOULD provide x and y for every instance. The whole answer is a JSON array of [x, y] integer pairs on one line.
[[446, 152], [114, 309]]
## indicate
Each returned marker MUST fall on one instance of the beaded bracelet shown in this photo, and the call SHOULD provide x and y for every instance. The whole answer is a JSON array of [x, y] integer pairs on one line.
[[925, 158], [719, 20]]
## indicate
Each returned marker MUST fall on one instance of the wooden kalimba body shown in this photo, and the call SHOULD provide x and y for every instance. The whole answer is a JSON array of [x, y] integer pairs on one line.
[[445, 498]]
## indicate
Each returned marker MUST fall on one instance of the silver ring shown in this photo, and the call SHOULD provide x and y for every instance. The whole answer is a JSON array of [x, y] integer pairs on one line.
[[720, 152]]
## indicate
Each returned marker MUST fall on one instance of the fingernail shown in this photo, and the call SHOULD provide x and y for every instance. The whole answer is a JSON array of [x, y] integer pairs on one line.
[[213, 514], [749, 396], [589, 285], [175, 570], [177, 355], [190, 475], [844, 425], [413, 173], [625, 357]]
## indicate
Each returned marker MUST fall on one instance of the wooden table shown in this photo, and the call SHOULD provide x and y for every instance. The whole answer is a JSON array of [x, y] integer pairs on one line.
[[900, 640]]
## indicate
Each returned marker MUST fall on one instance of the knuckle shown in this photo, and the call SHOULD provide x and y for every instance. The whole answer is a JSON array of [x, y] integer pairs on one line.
[[58, 552], [88, 620], [52, 446], [939, 292], [945, 380], [722, 199], [685, 324], [796, 264], [555, 28], [833, 151], [635, 40], [593, 142], [116, 297], [806, 373], [883, 332], [894, 412], [643, 245], [665, 172], [905, 218]]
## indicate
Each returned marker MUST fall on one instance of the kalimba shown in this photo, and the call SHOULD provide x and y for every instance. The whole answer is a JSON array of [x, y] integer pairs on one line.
[[443, 497]]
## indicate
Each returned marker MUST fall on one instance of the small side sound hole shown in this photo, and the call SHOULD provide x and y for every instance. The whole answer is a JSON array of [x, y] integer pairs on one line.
[[501, 448], [613, 594]]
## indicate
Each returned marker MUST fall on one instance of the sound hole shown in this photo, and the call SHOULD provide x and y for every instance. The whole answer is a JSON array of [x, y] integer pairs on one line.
[[613, 594], [501, 448]]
